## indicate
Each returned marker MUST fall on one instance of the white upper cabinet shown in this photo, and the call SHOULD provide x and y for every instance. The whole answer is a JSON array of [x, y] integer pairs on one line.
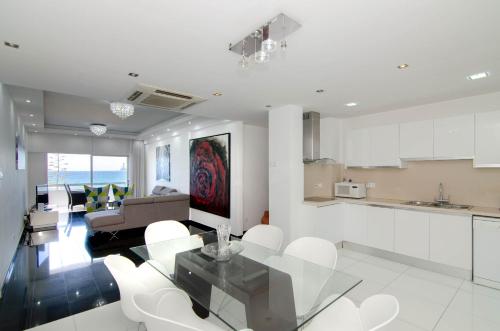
[[416, 140], [384, 146], [454, 137], [330, 133], [358, 148], [487, 139]]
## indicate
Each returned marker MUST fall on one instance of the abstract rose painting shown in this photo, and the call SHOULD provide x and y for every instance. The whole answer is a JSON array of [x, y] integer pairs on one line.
[[210, 174]]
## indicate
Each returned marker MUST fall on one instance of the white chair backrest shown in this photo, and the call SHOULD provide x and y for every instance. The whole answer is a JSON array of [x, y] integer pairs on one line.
[[341, 315], [269, 236], [378, 311], [315, 250], [170, 309], [125, 274], [164, 230]]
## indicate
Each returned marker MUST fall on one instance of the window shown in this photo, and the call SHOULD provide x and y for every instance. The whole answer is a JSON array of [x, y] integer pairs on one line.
[[68, 169], [109, 170]]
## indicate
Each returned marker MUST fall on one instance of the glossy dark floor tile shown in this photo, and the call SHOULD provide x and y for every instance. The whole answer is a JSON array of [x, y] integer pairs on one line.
[[61, 275]]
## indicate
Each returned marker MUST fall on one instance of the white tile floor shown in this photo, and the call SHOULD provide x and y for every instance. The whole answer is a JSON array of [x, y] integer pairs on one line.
[[428, 301]]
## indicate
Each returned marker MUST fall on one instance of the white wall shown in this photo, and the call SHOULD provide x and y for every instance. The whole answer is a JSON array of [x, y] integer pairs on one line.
[[255, 174], [12, 186], [286, 170], [245, 212]]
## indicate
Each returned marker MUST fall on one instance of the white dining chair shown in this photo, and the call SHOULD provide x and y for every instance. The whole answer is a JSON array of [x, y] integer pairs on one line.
[[374, 313], [314, 250], [164, 239], [170, 309], [268, 236], [131, 280]]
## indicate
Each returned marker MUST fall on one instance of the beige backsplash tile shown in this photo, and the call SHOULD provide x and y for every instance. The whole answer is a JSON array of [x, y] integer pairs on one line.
[[419, 181], [324, 174]]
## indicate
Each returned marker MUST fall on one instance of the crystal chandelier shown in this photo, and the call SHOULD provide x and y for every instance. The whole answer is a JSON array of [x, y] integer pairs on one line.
[[265, 40], [122, 110], [98, 129]]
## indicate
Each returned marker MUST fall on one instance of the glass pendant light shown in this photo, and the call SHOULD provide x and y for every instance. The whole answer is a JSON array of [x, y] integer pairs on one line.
[[260, 56], [268, 45], [244, 59]]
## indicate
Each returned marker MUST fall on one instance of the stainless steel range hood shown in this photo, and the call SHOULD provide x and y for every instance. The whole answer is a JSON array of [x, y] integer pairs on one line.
[[312, 140]]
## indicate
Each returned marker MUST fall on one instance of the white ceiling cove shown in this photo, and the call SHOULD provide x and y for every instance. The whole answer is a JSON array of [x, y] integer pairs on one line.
[[349, 48]]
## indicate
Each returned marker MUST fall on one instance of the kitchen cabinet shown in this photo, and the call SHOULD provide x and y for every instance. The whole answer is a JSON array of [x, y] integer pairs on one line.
[[329, 223], [416, 140], [411, 233], [380, 228], [358, 148], [451, 240], [454, 137], [355, 223], [487, 153], [330, 133], [384, 146]]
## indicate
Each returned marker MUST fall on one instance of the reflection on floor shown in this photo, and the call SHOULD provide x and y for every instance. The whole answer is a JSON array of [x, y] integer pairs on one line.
[[57, 276], [429, 301]]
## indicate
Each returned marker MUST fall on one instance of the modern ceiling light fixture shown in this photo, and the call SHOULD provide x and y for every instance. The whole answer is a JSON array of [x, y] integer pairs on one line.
[[122, 110], [260, 43], [351, 104], [133, 74], [11, 44], [27, 101], [98, 129], [478, 75], [320, 91], [403, 66], [217, 94]]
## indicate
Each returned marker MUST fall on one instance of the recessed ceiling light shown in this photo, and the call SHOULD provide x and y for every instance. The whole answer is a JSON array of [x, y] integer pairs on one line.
[[189, 123], [11, 44], [351, 104], [36, 131], [32, 115], [133, 74], [174, 134], [75, 134], [34, 124], [27, 101], [216, 94], [168, 130], [152, 135], [268, 106], [320, 91], [479, 75], [403, 66]]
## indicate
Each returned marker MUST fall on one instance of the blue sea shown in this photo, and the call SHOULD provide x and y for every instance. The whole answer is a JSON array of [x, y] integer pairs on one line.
[[83, 177]]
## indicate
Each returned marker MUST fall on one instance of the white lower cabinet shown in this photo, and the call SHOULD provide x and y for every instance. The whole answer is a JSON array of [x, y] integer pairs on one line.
[[380, 228], [451, 240], [411, 233], [328, 224], [355, 224]]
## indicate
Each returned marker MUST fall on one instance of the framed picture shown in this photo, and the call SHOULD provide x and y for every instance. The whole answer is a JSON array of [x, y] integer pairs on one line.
[[163, 163], [210, 175]]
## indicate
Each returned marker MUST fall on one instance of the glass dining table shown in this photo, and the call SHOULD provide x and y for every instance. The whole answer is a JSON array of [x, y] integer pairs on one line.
[[258, 288]]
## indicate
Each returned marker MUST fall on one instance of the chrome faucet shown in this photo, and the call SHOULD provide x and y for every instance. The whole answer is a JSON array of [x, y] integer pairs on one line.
[[441, 198]]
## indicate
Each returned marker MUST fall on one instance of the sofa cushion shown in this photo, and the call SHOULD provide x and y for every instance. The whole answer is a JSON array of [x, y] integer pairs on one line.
[[122, 192], [138, 201], [97, 197], [157, 189], [104, 218], [171, 197]]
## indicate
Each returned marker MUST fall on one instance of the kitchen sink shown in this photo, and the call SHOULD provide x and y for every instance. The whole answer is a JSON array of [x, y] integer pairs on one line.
[[436, 205]]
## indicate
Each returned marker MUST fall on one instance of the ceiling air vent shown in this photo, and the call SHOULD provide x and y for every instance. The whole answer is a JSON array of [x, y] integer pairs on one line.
[[151, 96]]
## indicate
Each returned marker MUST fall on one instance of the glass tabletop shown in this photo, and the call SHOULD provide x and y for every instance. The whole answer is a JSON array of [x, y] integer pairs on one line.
[[258, 288]]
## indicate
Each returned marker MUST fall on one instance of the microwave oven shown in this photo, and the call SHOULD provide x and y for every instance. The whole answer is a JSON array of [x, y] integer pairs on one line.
[[350, 190]]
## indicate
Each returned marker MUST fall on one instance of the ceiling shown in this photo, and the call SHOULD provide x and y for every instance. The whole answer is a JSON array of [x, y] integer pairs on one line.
[[62, 110], [349, 48]]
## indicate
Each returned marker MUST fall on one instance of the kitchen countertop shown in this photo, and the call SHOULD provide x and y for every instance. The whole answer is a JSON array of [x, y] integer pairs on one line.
[[479, 211]]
